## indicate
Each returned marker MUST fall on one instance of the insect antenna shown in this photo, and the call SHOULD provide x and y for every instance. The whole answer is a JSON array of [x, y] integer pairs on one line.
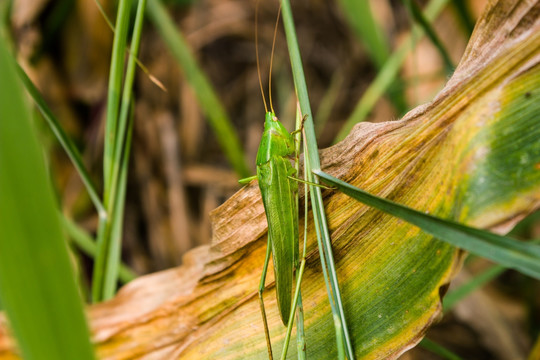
[[257, 53], [272, 60]]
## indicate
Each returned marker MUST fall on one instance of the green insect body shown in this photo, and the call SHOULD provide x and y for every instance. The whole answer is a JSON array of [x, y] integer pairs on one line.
[[278, 192]]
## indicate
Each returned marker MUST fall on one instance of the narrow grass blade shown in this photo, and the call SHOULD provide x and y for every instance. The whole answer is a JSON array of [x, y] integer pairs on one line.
[[327, 102], [388, 73], [361, 19], [524, 257], [115, 88], [522, 229], [312, 162], [297, 304], [459, 293], [120, 145], [300, 329], [208, 100], [417, 15], [464, 15], [100, 260], [454, 296], [117, 211], [121, 150], [438, 349], [84, 242], [63, 139], [38, 290], [339, 338], [111, 133]]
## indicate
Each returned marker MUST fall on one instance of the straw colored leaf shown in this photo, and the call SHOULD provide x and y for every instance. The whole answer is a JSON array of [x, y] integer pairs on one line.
[[472, 155]]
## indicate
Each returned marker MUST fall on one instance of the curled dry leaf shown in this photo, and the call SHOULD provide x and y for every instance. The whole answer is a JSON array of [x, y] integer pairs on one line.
[[471, 155]]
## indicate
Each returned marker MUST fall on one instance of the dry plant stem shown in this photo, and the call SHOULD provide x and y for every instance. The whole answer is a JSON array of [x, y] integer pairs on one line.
[[392, 273]]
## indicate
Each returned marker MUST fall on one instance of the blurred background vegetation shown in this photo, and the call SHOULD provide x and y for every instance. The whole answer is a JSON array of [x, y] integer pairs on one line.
[[178, 170]]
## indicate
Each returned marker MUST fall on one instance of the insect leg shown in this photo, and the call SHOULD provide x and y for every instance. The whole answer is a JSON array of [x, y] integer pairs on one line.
[[301, 125], [261, 301], [312, 183], [247, 180], [297, 299]]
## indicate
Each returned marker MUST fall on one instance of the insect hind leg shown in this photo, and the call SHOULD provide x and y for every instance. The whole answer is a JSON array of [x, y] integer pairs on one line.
[[311, 183], [261, 300]]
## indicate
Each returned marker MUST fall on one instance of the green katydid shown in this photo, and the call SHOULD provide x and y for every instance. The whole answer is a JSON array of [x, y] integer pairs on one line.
[[279, 190], [282, 145]]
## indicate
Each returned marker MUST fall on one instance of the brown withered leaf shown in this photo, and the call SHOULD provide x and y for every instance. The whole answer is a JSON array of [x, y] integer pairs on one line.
[[471, 155]]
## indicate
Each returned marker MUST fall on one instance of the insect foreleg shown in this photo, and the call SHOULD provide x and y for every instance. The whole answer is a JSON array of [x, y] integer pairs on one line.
[[247, 180]]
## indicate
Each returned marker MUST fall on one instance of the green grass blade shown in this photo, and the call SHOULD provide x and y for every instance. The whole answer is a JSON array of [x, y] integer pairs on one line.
[[328, 102], [114, 89], [339, 338], [312, 162], [417, 15], [454, 296], [110, 230], [111, 132], [37, 285], [523, 228], [524, 257], [296, 305], [388, 73], [300, 328], [84, 242], [362, 21], [100, 260], [114, 254], [459, 293], [63, 139], [464, 15], [360, 17], [120, 146], [121, 150], [438, 349], [206, 96]]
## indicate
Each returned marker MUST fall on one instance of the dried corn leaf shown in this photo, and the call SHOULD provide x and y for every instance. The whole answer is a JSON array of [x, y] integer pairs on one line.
[[471, 155]]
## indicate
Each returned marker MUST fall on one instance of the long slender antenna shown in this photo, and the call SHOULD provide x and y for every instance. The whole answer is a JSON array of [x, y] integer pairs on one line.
[[272, 59], [257, 53]]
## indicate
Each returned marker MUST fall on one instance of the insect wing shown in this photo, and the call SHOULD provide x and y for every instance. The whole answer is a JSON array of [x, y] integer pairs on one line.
[[278, 194]]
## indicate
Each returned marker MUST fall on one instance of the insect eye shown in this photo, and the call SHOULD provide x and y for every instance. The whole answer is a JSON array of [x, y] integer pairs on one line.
[[274, 118]]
